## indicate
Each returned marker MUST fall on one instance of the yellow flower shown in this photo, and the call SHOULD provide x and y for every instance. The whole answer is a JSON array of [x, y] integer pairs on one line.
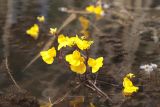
[[48, 56], [64, 41], [84, 22], [74, 58], [33, 31], [81, 69], [76, 62], [53, 31], [98, 10], [129, 88], [41, 18], [130, 75], [90, 9], [82, 44], [95, 63]]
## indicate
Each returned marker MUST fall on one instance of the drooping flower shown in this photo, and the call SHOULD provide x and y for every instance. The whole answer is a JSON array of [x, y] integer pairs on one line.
[[65, 41], [85, 26], [76, 62], [95, 64], [129, 88], [48, 56], [84, 22], [41, 18], [82, 44], [81, 69], [33, 31], [53, 31]]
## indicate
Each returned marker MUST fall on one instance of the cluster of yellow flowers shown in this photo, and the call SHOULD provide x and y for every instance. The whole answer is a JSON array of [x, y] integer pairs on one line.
[[98, 10], [70, 41], [34, 30], [129, 88], [76, 61]]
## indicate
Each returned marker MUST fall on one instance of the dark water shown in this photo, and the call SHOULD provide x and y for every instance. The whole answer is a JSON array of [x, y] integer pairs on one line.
[[137, 43], [16, 17]]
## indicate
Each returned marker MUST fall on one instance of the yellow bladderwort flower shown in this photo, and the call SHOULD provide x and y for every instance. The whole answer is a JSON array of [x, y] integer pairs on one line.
[[82, 44], [129, 88], [98, 10], [84, 22], [76, 62], [90, 9], [41, 18], [53, 31], [130, 75], [74, 58], [48, 56], [33, 31], [65, 41], [81, 69], [95, 64]]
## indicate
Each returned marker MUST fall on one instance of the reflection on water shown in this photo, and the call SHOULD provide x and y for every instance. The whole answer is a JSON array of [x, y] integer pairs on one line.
[[47, 81]]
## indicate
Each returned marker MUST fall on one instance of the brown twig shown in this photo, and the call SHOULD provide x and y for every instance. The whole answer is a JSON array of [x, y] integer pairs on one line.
[[73, 11], [10, 75], [65, 95], [98, 90]]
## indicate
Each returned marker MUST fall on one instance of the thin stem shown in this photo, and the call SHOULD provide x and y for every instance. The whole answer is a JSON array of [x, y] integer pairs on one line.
[[74, 11], [99, 90], [65, 95], [10, 75]]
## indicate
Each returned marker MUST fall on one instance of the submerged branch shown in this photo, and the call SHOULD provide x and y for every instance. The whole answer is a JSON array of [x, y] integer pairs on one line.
[[92, 86], [10, 75], [65, 95]]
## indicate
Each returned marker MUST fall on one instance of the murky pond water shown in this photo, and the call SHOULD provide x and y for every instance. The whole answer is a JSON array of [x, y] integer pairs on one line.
[[16, 17], [125, 43]]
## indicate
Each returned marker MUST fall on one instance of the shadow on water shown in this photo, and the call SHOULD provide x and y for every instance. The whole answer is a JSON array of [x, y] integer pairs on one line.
[[45, 81]]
